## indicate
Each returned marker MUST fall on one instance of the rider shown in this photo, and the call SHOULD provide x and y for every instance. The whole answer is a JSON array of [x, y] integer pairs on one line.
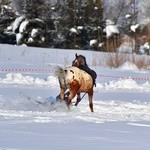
[[83, 66]]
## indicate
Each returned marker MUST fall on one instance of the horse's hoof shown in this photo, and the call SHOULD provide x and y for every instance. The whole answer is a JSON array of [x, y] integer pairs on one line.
[[58, 97], [67, 102]]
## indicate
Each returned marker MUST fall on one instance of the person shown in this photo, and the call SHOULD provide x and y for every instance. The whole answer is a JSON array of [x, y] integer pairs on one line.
[[80, 62]]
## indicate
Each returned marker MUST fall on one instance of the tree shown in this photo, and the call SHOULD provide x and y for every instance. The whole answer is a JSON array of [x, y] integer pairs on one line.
[[126, 17], [65, 20], [33, 26], [79, 21], [49, 19], [32, 8], [7, 15], [131, 26]]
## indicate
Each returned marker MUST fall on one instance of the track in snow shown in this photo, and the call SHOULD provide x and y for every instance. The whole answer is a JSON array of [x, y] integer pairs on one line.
[[104, 111]]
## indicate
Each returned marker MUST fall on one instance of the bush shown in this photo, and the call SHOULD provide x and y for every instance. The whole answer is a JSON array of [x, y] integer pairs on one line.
[[115, 60]]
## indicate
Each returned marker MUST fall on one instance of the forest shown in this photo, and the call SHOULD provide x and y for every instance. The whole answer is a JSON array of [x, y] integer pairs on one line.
[[99, 25]]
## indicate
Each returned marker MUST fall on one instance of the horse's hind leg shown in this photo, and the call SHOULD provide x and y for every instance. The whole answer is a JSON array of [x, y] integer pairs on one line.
[[70, 97], [90, 94], [73, 88], [78, 99]]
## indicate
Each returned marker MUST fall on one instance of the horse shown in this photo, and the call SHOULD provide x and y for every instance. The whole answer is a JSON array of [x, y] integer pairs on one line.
[[77, 81], [79, 62]]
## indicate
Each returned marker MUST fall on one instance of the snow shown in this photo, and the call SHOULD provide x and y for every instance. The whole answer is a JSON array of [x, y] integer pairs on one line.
[[121, 118], [144, 48], [19, 37], [9, 28], [17, 78], [110, 28], [127, 16], [100, 44], [6, 7], [30, 40], [43, 39], [73, 30], [34, 32], [79, 27], [127, 46], [92, 42], [147, 46], [129, 66], [95, 8], [39, 20], [134, 27], [53, 8], [109, 22], [17, 23], [23, 26]]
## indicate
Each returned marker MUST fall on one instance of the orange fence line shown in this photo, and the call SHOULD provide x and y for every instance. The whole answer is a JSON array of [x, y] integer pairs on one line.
[[52, 70]]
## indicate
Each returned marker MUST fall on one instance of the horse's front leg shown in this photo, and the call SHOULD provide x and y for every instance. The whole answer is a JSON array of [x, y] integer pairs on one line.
[[90, 94], [78, 99], [70, 97], [61, 95]]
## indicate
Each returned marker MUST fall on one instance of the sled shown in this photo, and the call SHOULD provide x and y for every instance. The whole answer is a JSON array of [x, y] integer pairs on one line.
[[49, 103]]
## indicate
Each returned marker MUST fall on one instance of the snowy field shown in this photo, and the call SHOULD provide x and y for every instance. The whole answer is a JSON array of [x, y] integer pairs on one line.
[[121, 118]]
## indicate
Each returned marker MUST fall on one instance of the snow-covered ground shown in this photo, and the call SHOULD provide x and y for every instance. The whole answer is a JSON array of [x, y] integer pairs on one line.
[[121, 118]]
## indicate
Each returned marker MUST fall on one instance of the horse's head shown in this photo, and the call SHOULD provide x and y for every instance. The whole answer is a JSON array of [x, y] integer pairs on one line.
[[79, 60]]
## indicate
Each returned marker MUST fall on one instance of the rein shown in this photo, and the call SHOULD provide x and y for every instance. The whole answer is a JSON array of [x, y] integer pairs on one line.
[[67, 94], [83, 96]]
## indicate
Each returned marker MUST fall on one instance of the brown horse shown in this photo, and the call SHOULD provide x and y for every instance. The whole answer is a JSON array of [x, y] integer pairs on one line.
[[77, 81], [80, 62]]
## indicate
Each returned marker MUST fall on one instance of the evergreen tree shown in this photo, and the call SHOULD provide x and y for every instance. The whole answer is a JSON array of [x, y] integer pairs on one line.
[[64, 22], [48, 17], [79, 21], [32, 8], [7, 16], [38, 23]]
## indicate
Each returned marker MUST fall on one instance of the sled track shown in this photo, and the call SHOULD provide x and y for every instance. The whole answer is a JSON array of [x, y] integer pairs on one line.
[[104, 111]]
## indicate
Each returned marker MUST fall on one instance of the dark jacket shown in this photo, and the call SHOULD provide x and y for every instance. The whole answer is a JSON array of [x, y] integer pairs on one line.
[[89, 71]]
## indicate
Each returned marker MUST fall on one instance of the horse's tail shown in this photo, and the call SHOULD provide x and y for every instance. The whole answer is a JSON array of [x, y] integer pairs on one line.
[[59, 72]]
